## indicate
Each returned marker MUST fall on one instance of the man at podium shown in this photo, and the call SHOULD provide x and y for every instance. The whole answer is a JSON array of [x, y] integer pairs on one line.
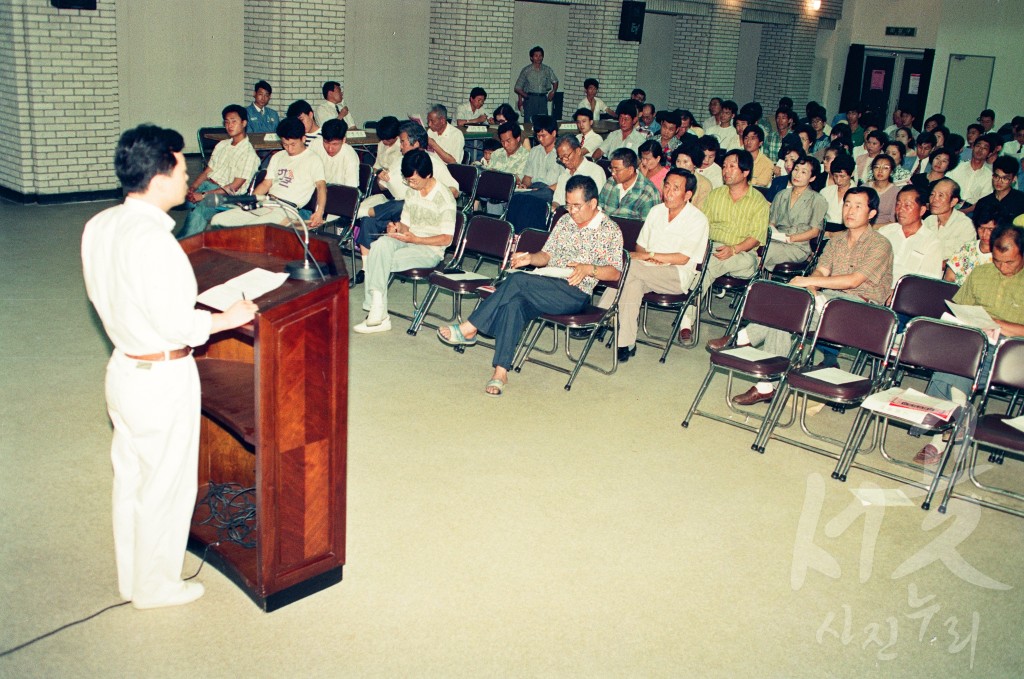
[[144, 290]]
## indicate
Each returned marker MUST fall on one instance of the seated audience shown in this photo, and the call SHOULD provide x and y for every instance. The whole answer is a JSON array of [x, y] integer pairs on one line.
[[954, 227], [835, 194], [303, 112], [670, 246], [974, 177], [229, 171], [790, 156], [753, 142], [574, 161], [331, 107], [797, 215], [709, 168], [897, 151], [647, 124], [294, 175], [922, 151], [341, 163], [389, 151], [447, 141], [939, 163], [915, 249], [905, 136], [629, 194], [974, 131], [472, 112], [723, 130], [588, 138], [417, 239], [881, 171], [817, 121], [627, 136], [1007, 198], [262, 118], [782, 135], [714, 108], [668, 126], [689, 156], [584, 240], [511, 155], [974, 252], [529, 206], [651, 157], [592, 102], [874, 145], [853, 116]]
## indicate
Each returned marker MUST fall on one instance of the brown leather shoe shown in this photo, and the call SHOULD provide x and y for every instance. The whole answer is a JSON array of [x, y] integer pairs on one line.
[[685, 335], [752, 396]]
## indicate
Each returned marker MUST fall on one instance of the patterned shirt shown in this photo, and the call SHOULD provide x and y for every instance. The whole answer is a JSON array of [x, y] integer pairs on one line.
[[536, 81], [635, 203], [965, 259], [1002, 296], [430, 215], [732, 222], [231, 161], [514, 164], [870, 255], [598, 242]]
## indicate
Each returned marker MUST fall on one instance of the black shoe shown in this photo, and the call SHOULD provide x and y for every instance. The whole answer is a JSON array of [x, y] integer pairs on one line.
[[626, 352], [584, 333], [359, 278], [827, 363]]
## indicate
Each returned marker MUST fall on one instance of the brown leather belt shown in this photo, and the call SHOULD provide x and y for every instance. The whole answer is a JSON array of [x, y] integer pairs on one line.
[[163, 356]]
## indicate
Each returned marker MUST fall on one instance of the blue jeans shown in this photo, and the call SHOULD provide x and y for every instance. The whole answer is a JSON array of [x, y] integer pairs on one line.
[[200, 214]]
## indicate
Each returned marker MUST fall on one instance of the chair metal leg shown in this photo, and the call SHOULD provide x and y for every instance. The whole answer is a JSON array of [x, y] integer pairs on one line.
[[422, 309], [771, 418], [853, 441], [698, 397]]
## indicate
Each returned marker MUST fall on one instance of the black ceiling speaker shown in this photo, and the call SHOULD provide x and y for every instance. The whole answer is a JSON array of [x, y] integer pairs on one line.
[[631, 25], [74, 4]]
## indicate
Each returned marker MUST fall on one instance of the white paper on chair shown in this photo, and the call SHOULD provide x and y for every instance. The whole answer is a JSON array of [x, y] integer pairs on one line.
[[467, 276], [1016, 422], [552, 271], [916, 408], [749, 354], [251, 284], [833, 376]]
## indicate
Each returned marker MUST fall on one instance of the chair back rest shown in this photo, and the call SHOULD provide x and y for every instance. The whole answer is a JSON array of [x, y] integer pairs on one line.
[[532, 240], [342, 201], [365, 177], [630, 229], [487, 237], [466, 176], [206, 145], [459, 237], [856, 324], [929, 344], [1008, 365], [495, 187], [776, 305], [257, 179], [919, 296], [556, 214], [605, 164]]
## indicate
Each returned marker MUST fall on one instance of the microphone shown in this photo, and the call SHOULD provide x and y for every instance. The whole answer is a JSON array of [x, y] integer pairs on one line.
[[222, 199]]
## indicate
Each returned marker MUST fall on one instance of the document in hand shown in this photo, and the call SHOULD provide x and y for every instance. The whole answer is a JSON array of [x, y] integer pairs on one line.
[[975, 317]]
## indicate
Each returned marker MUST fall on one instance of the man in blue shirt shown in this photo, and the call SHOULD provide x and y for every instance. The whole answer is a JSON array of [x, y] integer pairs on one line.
[[262, 118]]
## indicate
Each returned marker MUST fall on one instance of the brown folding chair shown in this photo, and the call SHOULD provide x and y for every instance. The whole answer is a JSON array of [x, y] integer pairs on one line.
[[992, 432], [555, 214], [343, 203], [496, 187], [466, 176], [630, 229], [733, 286], [206, 144], [593, 318], [485, 237], [926, 346], [866, 327], [452, 259], [677, 304], [775, 305], [920, 296]]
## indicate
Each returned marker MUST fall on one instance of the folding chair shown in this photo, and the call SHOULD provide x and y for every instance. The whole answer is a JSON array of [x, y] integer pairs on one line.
[[919, 296], [452, 259], [775, 305], [556, 214], [466, 176], [734, 286], [485, 237], [866, 327], [366, 176], [630, 229], [678, 304], [496, 187], [992, 431], [784, 272], [343, 202], [926, 346], [205, 144], [527, 240], [592, 318]]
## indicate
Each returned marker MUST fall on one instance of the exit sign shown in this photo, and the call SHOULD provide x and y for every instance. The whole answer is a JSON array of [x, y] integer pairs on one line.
[[901, 31]]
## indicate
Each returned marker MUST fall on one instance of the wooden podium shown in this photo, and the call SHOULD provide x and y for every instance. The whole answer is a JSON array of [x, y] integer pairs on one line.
[[275, 417]]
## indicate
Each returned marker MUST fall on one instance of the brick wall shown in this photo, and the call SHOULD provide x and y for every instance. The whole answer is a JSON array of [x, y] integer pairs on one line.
[[470, 46], [59, 73], [593, 50], [784, 67], [279, 49]]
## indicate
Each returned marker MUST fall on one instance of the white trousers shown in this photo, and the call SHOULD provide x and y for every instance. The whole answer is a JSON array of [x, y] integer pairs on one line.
[[155, 455]]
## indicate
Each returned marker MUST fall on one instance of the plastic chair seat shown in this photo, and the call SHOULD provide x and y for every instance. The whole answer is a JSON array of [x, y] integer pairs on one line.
[[665, 299], [766, 368], [591, 315], [992, 430], [789, 267], [731, 283], [441, 280], [851, 391]]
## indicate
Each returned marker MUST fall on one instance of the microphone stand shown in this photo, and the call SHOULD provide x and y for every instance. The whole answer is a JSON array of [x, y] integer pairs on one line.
[[306, 269]]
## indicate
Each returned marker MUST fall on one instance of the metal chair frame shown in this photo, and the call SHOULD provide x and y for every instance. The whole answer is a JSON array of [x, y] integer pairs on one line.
[[467, 176], [735, 291], [678, 304], [343, 201], [496, 187], [817, 244], [421, 274]]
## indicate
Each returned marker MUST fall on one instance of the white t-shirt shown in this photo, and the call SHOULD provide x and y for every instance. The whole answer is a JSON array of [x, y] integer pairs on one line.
[[294, 178], [920, 254], [687, 234], [467, 112], [342, 168], [451, 140], [958, 230]]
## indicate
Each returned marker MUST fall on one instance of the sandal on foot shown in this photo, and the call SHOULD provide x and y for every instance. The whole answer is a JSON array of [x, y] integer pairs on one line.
[[494, 384], [928, 455], [455, 337]]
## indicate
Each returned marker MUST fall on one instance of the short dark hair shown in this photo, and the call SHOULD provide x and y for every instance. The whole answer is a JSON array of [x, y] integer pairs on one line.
[[670, 117], [870, 193], [626, 107], [334, 129], [993, 140], [509, 126], [537, 48], [709, 142], [899, 147], [843, 162], [988, 212], [591, 81], [414, 131], [754, 129], [943, 151], [811, 162], [651, 146], [684, 115], [689, 177], [507, 111], [976, 126], [297, 108], [546, 123], [691, 148], [883, 158], [387, 128], [879, 136], [626, 156], [417, 161], [637, 90], [786, 102], [263, 85], [291, 128], [237, 110], [477, 92], [1007, 233], [786, 111], [144, 152], [579, 182], [1007, 164], [926, 138], [730, 105], [744, 160], [329, 87], [921, 199], [987, 113], [585, 112], [752, 109]]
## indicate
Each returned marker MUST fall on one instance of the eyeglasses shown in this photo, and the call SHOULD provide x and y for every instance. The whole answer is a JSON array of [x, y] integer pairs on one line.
[[574, 207], [1002, 177]]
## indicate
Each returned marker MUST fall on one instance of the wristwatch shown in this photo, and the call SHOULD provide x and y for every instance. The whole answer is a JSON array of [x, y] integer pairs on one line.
[[594, 274]]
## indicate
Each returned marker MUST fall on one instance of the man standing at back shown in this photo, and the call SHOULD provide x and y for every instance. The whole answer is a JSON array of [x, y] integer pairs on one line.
[[536, 86], [262, 118], [143, 288]]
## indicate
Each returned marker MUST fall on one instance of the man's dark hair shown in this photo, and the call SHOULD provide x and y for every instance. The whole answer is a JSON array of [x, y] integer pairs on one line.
[[867, 191], [490, 144], [921, 199], [987, 113], [993, 140], [585, 112], [591, 81], [843, 162], [786, 102], [855, 106], [1008, 164], [937, 118], [730, 105], [291, 128], [879, 136], [477, 92], [144, 152], [329, 87], [670, 117], [819, 113], [788, 112], [387, 128], [955, 143], [988, 212], [626, 107], [1007, 234], [508, 126], [684, 115], [536, 48], [691, 148], [297, 108], [637, 90], [626, 156], [744, 160], [709, 143], [976, 126], [582, 182], [754, 129], [752, 109], [926, 138], [414, 131], [334, 129], [263, 85], [546, 123], [237, 110], [419, 162], [689, 177], [652, 146]]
